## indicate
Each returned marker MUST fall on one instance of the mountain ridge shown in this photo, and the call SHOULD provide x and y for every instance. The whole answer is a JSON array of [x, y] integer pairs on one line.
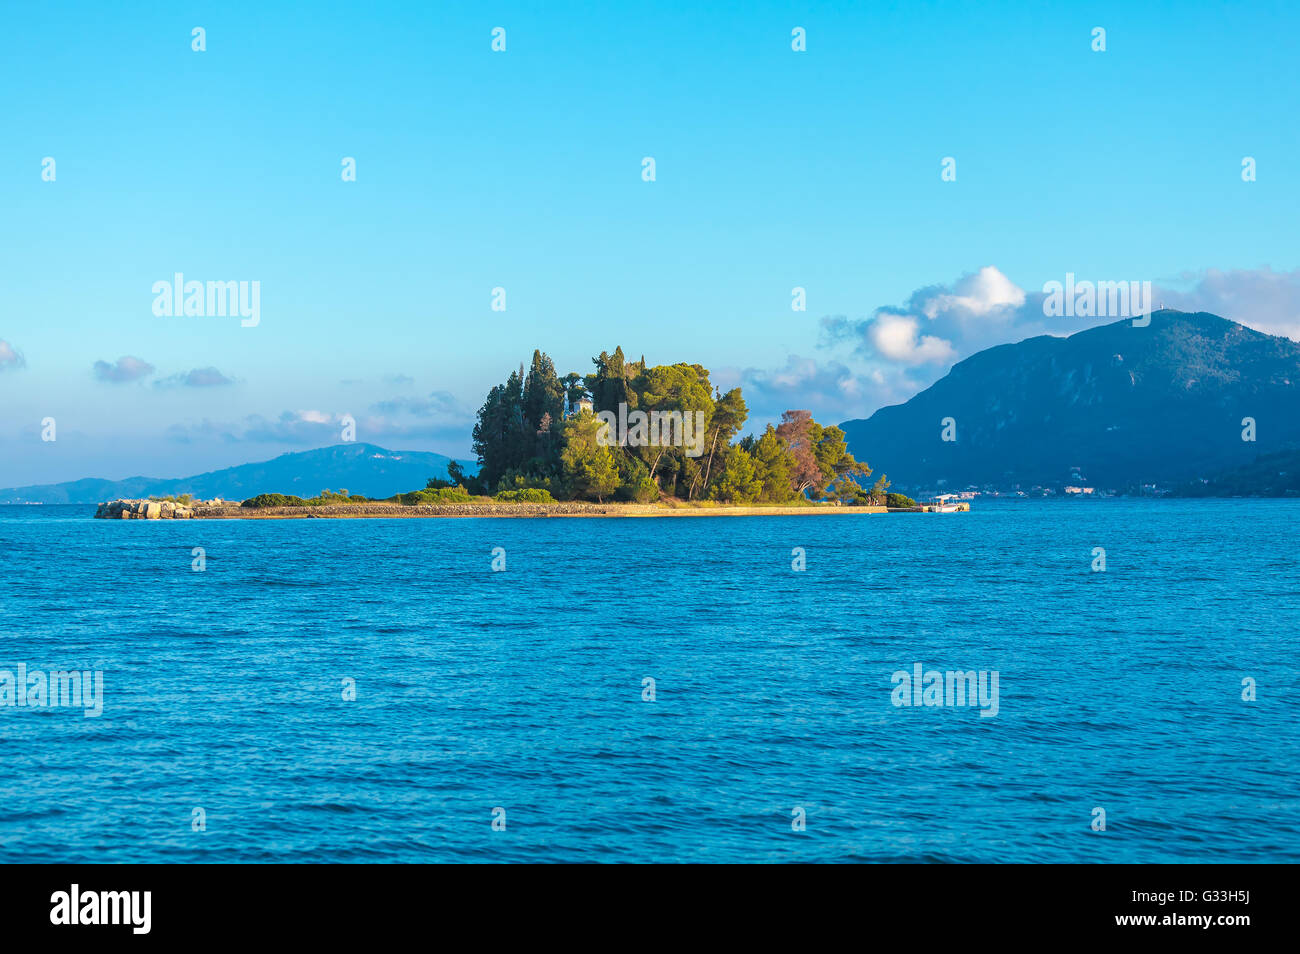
[[359, 467], [1114, 405]]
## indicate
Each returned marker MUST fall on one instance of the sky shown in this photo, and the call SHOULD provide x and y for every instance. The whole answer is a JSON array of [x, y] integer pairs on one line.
[[522, 169]]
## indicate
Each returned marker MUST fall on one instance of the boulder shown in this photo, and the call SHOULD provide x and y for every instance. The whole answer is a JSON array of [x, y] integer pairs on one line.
[[144, 510]]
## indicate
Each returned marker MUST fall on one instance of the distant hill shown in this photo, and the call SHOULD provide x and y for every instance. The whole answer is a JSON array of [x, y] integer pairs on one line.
[[1122, 405], [1269, 475], [360, 468]]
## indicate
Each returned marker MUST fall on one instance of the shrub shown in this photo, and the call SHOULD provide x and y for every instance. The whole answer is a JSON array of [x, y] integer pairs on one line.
[[899, 500], [526, 495], [274, 500], [438, 495]]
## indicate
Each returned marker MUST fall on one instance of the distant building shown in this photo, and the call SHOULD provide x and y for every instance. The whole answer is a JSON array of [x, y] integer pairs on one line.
[[582, 404]]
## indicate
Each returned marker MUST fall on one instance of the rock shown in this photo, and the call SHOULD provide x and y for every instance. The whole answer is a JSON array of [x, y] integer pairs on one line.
[[143, 510]]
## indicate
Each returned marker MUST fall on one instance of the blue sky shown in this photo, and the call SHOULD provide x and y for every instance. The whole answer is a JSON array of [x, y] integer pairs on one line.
[[522, 169]]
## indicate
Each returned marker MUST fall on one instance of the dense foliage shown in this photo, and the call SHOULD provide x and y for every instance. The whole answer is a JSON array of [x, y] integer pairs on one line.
[[527, 495], [536, 432], [274, 500], [443, 493], [434, 495]]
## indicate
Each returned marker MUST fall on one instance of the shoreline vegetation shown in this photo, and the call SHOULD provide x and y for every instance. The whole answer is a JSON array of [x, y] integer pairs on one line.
[[628, 439], [482, 507]]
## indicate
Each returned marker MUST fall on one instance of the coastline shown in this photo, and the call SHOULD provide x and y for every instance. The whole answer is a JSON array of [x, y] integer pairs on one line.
[[516, 510]]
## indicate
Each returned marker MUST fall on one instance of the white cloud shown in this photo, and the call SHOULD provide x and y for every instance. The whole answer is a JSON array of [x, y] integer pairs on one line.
[[10, 358], [440, 419], [197, 378], [986, 293], [941, 324], [438, 403], [123, 371], [896, 337], [830, 389]]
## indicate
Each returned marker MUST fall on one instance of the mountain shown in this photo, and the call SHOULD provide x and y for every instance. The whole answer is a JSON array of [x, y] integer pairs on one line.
[[1114, 406], [1269, 475], [360, 468]]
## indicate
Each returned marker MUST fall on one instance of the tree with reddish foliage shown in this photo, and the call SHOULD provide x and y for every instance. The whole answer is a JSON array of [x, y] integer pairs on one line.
[[819, 455], [797, 430]]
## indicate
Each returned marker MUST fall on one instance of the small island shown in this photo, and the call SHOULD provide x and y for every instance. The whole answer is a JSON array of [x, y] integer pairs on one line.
[[353, 506], [627, 440]]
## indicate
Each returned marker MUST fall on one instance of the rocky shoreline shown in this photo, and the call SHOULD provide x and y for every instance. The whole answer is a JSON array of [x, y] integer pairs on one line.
[[228, 510], [133, 509], [143, 510]]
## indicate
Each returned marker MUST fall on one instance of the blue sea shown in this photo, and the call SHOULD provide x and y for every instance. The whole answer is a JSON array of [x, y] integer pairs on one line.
[[228, 732]]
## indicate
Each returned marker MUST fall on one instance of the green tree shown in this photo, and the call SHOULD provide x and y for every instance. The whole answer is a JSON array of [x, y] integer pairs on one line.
[[543, 393], [459, 478], [671, 395], [501, 440], [846, 489], [833, 457], [773, 465], [609, 385], [588, 467], [738, 483], [729, 414]]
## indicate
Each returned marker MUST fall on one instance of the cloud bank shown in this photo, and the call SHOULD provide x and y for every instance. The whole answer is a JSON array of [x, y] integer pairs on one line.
[[896, 351], [123, 371]]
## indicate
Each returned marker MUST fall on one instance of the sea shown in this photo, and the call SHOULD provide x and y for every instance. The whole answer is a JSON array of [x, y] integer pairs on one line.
[[693, 689]]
